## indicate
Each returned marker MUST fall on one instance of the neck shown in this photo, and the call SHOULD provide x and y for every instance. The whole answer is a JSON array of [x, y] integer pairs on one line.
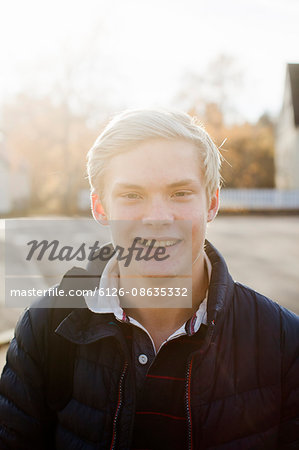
[[167, 320]]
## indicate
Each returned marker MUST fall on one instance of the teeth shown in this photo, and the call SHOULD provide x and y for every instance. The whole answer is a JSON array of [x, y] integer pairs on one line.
[[147, 243]]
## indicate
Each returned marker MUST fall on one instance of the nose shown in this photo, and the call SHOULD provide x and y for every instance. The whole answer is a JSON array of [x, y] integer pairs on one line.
[[158, 213]]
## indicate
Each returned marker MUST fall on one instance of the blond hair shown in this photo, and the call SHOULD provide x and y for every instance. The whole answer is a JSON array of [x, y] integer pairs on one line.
[[133, 126]]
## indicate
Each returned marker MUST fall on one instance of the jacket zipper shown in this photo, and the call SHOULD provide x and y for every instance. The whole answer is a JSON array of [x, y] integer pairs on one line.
[[188, 405], [188, 391], [118, 407]]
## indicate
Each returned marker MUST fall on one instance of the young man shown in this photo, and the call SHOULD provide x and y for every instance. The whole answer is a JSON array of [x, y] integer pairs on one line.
[[144, 372]]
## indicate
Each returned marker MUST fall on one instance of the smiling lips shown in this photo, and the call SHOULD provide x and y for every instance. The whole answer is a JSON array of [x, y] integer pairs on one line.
[[166, 242]]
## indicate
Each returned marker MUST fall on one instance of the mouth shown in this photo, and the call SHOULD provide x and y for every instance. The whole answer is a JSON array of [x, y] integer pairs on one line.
[[159, 242]]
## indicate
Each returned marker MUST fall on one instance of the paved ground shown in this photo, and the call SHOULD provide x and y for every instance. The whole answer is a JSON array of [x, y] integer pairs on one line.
[[3, 350], [261, 251]]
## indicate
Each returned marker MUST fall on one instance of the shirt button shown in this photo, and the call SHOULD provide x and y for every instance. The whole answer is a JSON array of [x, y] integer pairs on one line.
[[142, 359]]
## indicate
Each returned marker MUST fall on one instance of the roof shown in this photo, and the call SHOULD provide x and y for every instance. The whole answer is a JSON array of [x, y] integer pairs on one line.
[[294, 78]]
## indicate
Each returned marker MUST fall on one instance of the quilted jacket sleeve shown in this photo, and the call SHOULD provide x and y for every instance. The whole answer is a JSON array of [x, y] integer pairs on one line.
[[25, 421], [289, 427]]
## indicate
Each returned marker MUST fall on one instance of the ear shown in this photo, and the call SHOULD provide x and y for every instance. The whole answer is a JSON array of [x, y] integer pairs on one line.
[[214, 206], [98, 211]]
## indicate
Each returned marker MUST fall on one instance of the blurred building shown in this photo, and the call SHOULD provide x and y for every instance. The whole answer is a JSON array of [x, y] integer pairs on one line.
[[5, 200], [14, 184], [287, 133]]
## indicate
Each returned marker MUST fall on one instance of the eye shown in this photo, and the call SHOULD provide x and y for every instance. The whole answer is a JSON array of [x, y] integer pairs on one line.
[[131, 196], [182, 193]]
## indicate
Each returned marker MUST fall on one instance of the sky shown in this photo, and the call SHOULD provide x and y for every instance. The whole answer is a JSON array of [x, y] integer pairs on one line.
[[137, 53]]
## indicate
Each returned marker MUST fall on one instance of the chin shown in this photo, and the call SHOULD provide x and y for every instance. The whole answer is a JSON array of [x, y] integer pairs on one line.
[[163, 270]]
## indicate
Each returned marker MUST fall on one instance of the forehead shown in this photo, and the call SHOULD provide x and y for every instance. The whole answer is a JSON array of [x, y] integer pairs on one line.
[[156, 160]]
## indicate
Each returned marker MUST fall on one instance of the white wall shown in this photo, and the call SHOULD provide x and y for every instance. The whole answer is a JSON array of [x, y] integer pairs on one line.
[[287, 144]]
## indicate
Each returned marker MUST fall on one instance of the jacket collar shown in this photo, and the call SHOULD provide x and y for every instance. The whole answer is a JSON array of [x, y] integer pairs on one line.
[[82, 326], [221, 287]]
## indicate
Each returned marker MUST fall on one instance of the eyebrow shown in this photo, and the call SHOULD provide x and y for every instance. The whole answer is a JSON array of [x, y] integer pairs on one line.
[[186, 181], [182, 182]]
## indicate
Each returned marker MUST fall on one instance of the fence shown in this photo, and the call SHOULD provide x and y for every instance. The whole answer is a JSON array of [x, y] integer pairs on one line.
[[259, 199]]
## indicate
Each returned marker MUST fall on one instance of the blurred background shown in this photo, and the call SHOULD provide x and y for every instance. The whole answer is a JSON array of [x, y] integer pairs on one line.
[[67, 66]]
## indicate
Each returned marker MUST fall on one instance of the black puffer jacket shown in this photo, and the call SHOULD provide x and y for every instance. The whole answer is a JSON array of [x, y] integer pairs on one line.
[[241, 384]]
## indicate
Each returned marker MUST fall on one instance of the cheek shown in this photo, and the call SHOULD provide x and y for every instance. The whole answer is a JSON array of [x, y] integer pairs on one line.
[[121, 212], [199, 224]]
